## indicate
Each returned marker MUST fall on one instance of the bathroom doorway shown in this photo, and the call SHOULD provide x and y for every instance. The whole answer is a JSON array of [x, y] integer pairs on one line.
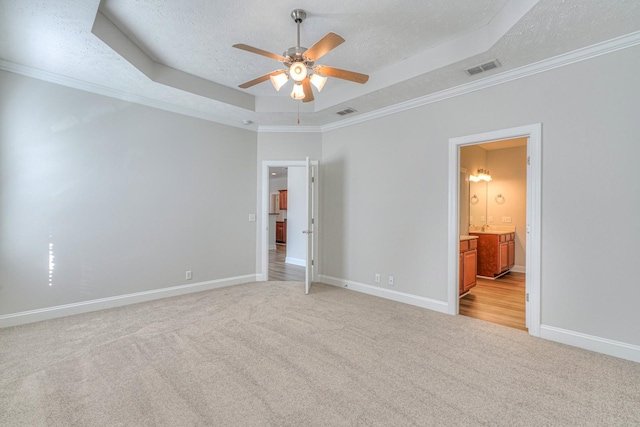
[[505, 206], [492, 207]]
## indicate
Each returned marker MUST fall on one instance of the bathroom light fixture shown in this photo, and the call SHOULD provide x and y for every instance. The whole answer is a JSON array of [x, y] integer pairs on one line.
[[483, 175]]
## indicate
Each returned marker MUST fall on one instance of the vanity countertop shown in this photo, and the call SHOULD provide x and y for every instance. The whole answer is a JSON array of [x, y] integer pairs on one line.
[[463, 238], [497, 229]]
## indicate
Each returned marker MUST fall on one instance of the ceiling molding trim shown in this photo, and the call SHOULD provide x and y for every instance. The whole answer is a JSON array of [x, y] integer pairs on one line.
[[47, 76], [289, 129], [583, 54]]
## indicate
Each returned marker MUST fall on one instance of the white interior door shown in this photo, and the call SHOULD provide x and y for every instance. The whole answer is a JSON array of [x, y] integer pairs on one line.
[[310, 227]]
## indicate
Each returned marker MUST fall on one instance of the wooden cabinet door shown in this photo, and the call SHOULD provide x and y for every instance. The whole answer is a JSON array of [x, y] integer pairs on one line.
[[512, 253], [470, 269], [279, 232], [461, 276], [283, 200], [503, 257]]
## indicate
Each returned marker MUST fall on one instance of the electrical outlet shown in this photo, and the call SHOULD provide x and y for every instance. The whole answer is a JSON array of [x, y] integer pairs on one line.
[[390, 280], [377, 278], [188, 275], [506, 219]]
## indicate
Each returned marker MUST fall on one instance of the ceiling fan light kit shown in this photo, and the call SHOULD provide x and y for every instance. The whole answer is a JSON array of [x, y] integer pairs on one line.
[[299, 65]]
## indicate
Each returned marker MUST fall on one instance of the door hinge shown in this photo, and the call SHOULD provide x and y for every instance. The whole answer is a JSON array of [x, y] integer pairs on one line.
[[527, 296], [313, 179], [529, 160], [311, 263], [313, 220]]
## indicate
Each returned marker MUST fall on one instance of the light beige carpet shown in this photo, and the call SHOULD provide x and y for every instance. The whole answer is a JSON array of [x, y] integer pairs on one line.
[[265, 354]]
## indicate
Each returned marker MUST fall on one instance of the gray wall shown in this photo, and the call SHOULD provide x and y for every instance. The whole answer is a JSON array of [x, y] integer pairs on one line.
[[130, 197], [386, 182]]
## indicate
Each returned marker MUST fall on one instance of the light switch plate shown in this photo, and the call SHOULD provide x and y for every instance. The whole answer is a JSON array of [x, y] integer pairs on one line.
[[506, 219], [252, 217]]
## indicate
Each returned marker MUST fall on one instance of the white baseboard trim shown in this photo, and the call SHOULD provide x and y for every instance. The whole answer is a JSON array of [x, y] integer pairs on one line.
[[590, 342], [272, 247], [38, 315], [403, 297], [519, 269], [296, 261]]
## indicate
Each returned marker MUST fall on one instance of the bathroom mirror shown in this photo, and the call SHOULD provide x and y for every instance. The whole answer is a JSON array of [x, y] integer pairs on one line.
[[477, 203]]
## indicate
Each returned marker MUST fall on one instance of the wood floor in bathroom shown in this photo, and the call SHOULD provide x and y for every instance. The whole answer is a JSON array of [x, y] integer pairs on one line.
[[500, 301]]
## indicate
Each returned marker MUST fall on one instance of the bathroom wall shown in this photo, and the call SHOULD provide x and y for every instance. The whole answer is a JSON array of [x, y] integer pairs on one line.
[[508, 168]]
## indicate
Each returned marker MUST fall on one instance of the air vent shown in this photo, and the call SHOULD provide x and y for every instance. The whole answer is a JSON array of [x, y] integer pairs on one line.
[[484, 67], [346, 111]]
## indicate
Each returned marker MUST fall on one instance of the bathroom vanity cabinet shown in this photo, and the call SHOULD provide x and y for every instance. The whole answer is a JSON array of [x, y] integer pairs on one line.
[[496, 252], [468, 263]]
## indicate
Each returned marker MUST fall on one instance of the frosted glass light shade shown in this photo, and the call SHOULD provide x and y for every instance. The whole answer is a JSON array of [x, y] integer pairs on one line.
[[298, 71], [279, 80], [297, 92], [318, 81]]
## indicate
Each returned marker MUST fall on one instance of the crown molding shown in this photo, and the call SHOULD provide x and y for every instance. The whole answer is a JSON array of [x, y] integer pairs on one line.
[[583, 54], [50, 77], [289, 129], [589, 52]]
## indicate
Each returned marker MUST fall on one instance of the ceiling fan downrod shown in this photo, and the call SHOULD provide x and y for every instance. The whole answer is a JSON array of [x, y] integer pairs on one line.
[[298, 15]]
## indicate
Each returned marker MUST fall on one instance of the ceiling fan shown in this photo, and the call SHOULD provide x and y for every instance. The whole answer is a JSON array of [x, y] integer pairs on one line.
[[299, 62]]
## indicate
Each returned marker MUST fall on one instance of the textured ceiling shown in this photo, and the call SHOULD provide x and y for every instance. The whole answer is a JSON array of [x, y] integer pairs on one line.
[[195, 37]]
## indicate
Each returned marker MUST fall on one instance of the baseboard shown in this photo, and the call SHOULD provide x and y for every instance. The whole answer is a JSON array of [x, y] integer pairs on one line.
[[38, 315], [272, 247], [519, 269], [590, 342], [416, 300], [296, 261]]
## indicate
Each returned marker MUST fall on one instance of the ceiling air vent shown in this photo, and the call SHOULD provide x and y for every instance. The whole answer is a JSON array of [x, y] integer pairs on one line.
[[484, 67], [346, 111]]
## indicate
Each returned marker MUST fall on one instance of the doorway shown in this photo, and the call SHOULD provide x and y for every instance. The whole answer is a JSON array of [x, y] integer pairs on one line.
[[531, 226], [492, 208], [285, 262]]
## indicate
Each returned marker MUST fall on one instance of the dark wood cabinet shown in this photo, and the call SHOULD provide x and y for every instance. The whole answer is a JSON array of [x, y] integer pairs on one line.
[[496, 253], [468, 265], [283, 200], [281, 232]]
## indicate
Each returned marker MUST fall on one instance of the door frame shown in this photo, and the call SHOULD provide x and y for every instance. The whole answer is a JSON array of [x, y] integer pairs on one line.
[[263, 232], [534, 194]]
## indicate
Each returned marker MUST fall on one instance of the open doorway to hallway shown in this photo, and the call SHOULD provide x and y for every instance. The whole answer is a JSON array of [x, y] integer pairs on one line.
[[285, 263]]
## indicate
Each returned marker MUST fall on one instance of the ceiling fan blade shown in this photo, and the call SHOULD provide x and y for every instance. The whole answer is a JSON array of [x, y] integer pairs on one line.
[[308, 93], [260, 79], [323, 46], [259, 51], [341, 74]]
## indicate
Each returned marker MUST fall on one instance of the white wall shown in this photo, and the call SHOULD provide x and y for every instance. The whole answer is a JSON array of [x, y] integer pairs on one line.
[[386, 183], [130, 197]]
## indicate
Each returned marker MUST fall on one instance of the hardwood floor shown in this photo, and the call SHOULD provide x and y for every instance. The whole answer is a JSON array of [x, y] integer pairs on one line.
[[500, 301], [281, 271]]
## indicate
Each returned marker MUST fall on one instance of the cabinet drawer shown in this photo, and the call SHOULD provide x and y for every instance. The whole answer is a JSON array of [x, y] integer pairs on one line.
[[464, 245]]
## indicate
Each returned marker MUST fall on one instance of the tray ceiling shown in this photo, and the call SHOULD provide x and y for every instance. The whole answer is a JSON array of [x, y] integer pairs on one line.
[[179, 53]]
